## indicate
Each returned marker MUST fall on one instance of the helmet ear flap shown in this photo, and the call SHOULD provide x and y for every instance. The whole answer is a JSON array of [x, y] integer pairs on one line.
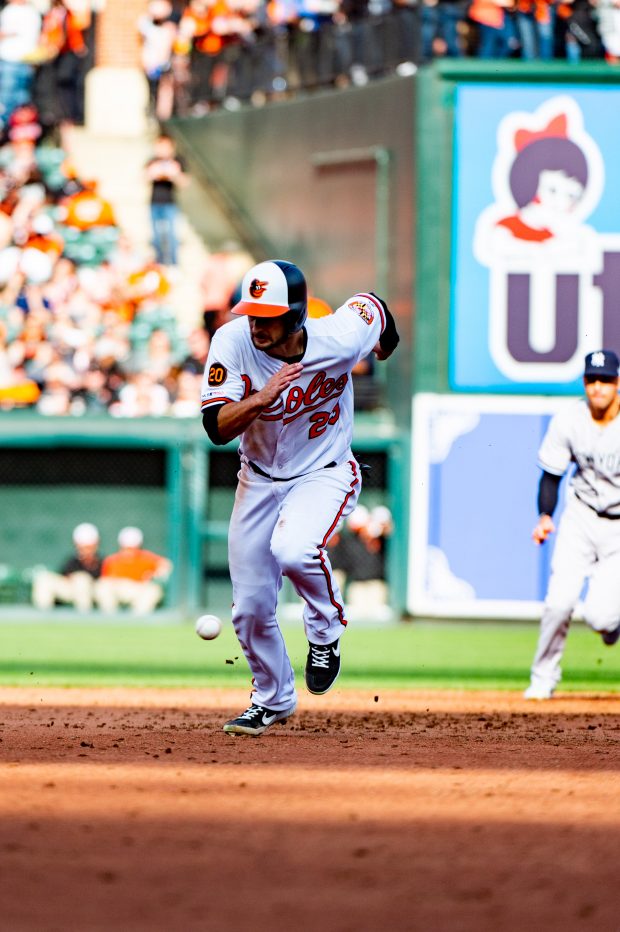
[[296, 317]]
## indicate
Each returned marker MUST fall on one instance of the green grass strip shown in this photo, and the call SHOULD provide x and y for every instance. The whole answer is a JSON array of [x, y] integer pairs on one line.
[[454, 655]]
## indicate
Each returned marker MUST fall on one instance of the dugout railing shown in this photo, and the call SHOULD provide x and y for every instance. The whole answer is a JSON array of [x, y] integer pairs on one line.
[[164, 476]]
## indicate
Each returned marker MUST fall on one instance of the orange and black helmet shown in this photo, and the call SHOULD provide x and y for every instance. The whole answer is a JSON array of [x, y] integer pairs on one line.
[[273, 289]]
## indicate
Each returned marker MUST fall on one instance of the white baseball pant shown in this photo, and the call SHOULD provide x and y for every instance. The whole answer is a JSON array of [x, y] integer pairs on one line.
[[142, 596], [587, 546], [74, 589], [282, 528]]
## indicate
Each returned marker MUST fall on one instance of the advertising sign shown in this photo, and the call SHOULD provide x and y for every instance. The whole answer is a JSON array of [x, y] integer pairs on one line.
[[473, 506], [536, 235]]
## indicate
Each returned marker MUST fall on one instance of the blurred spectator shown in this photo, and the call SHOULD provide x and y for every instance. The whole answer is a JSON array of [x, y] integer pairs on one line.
[[60, 382], [145, 287], [16, 389], [199, 344], [366, 390], [576, 29], [494, 28], [82, 312], [535, 21], [20, 29], [132, 576], [194, 58], [141, 396], [60, 82], [313, 56], [248, 51], [165, 172], [441, 20], [74, 583], [158, 32], [407, 19], [358, 554], [609, 28], [187, 395], [221, 278], [156, 356], [317, 307], [86, 208]]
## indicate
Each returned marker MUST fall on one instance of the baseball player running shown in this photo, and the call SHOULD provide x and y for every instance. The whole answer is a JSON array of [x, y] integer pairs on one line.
[[588, 542], [282, 382]]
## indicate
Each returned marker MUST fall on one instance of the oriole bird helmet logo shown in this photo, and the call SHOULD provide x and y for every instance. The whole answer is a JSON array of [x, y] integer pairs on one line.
[[258, 288]]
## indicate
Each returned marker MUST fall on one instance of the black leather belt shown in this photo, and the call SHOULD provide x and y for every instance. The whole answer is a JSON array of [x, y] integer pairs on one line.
[[261, 472], [600, 514]]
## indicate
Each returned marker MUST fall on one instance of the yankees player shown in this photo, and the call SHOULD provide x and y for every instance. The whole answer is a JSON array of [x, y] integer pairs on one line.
[[588, 543], [282, 382]]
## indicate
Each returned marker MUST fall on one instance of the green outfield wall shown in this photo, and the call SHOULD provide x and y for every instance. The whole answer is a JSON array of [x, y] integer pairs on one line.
[[163, 476]]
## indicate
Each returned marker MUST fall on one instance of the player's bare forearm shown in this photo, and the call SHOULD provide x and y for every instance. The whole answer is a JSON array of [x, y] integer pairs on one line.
[[233, 418]]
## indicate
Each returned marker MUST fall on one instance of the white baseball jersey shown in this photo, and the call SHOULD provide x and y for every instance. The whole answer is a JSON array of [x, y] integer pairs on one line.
[[311, 424], [574, 436]]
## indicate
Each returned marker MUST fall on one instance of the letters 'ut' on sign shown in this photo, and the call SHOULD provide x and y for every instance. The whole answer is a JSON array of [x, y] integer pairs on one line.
[[536, 241]]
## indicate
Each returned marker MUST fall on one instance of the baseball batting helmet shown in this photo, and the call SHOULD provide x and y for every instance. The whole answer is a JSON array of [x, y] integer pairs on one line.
[[273, 289]]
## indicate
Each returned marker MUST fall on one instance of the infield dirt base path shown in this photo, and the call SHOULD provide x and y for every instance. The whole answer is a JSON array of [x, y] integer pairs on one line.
[[131, 810]]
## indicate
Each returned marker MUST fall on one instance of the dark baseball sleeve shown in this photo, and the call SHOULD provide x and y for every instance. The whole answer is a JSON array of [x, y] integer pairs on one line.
[[548, 491], [209, 422], [389, 339]]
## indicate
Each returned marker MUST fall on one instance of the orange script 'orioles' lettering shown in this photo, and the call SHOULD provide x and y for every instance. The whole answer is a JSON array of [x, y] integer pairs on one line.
[[320, 389]]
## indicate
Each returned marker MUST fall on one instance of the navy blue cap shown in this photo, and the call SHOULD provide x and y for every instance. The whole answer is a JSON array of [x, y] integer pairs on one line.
[[602, 362]]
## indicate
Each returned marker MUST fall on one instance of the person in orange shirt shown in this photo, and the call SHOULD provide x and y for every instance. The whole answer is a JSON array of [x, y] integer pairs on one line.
[[64, 55], [493, 19], [87, 209], [132, 576]]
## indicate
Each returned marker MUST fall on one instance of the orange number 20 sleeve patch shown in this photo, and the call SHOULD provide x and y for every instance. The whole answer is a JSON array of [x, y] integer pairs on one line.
[[217, 374]]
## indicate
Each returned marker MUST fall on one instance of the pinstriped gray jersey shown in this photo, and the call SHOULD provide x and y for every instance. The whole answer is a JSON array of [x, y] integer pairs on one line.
[[575, 437]]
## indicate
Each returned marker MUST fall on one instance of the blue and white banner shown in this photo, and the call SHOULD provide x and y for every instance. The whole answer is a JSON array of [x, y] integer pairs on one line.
[[535, 235], [473, 506]]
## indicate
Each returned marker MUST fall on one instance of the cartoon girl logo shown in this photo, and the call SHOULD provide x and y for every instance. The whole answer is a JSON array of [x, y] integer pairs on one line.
[[547, 178], [542, 257]]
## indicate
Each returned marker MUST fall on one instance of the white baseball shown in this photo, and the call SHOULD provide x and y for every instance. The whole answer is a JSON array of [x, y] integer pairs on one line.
[[208, 627]]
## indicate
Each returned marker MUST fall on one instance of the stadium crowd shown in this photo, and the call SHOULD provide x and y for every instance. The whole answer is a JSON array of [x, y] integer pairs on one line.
[[85, 327], [201, 54], [84, 324]]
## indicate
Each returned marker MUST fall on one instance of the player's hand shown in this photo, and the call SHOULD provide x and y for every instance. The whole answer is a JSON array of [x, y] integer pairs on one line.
[[279, 382], [379, 352], [543, 529]]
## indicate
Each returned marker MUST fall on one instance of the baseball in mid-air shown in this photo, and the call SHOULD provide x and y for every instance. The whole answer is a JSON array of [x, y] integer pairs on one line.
[[208, 627]]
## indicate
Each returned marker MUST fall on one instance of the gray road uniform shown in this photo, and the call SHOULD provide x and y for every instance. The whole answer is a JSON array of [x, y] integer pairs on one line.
[[588, 539]]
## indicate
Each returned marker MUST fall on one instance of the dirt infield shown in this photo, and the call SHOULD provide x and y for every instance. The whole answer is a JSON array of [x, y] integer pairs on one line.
[[132, 810]]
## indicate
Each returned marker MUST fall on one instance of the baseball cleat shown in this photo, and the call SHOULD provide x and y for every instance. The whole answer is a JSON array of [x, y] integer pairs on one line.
[[322, 667], [610, 637], [538, 692], [255, 720]]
